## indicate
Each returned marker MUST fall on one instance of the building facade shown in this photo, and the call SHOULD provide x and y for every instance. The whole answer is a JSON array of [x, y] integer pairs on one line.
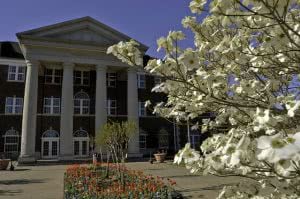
[[58, 87]]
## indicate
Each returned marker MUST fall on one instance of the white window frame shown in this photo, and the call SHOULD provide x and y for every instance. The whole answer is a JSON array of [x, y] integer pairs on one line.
[[81, 105], [16, 135], [111, 80], [111, 108], [51, 106], [53, 76], [14, 105], [82, 77], [16, 73], [142, 109], [141, 81]]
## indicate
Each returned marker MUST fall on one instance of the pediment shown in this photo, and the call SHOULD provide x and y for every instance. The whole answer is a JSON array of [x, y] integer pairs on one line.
[[86, 29]]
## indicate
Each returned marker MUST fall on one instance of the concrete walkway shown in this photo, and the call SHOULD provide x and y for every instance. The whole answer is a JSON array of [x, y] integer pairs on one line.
[[46, 182]]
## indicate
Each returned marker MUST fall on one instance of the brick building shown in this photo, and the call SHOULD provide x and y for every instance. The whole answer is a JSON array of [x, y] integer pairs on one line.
[[72, 87]]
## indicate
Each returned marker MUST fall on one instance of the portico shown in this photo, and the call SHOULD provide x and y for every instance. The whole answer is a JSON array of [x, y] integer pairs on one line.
[[74, 45]]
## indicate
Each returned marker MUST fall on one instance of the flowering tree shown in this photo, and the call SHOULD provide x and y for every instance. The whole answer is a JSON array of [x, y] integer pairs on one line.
[[245, 68]]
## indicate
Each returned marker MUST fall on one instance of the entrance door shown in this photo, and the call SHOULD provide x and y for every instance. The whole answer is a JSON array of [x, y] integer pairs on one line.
[[81, 143], [50, 144], [50, 148], [80, 147]]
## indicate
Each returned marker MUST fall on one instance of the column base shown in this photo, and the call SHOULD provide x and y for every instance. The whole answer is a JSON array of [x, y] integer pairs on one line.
[[135, 155], [66, 157], [26, 159]]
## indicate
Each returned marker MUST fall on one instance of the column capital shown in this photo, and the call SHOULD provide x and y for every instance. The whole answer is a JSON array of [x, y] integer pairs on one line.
[[100, 67], [32, 63], [68, 65], [132, 70]]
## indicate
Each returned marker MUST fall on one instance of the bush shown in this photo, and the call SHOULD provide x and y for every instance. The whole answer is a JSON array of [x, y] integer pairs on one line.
[[91, 182]]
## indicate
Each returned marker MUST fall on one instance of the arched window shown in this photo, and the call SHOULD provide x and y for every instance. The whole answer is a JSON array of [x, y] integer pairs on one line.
[[81, 143], [81, 133], [81, 103], [11, 142], [50, 134]]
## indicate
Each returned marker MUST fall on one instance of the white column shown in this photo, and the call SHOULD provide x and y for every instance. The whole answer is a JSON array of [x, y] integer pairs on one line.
[[66, 119], [29, 113], [132, 110], [101, 97]]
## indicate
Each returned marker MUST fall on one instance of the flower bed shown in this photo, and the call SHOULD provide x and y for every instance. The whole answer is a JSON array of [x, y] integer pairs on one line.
[[92, 182]]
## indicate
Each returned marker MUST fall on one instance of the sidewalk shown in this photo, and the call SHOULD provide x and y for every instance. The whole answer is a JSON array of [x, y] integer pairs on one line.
[[46, 182]]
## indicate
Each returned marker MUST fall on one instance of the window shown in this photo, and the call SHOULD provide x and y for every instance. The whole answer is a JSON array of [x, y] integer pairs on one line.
[[111, 107], [81, 103], [14, 105], [142, 109], [143, 141], [163, 139], [111, 80], [141, 81], [53, 76], [11, 142], [16, 73], [51, 105], [82, 78], [157, 80]]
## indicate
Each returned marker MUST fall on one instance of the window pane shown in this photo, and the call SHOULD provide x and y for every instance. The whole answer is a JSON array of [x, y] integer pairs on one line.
[[47, 109], [84, 147], [21, 77], [85, 110], [76, 110], [56, 101], [57, 80], [12, 76], [56, 110], [18, 109], [12, 69], [11, 139], [77, 102], [47, 101], [46, 148], [58, 73], [76, 147], [48, 79], [48, 72], [9, 109], [21, 69], [86, 81], [9, 101], [85, 102], [19, 101], [54, 148], [11, 148]]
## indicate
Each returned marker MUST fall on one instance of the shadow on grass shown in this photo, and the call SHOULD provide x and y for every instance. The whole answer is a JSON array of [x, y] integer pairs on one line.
[[22, 181], [10, 192]]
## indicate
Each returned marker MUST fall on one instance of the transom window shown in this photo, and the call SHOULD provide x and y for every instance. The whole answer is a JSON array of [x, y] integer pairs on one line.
[[53, 76], [81, 77], [14, 105], [81, 103], [111, 107], [51, 105], [111, 80], [141, 80], [16, 73], [142, 109], [11, 142], [50, 134]]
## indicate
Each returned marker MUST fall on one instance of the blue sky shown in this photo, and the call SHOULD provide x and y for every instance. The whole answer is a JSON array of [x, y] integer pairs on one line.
[[142, 20]]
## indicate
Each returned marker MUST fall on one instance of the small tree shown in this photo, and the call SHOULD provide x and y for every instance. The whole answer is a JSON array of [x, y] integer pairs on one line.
[[116, 136]]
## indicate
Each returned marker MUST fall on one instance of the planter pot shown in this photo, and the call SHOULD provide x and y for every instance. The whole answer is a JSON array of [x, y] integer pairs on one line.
[[160, 157], [4, 164]]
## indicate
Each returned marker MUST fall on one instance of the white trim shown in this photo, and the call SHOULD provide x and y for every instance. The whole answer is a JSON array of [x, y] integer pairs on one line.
[[11, 61]]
